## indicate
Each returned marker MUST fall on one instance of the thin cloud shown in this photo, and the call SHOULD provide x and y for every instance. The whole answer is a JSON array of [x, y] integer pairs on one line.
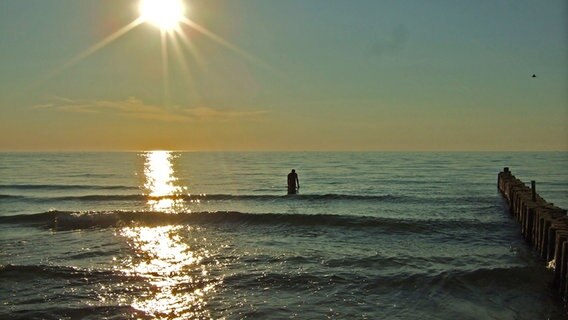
[[138, 109]]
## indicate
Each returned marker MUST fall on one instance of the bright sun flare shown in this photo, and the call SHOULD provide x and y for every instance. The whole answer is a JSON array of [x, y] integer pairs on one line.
[[165, 14]]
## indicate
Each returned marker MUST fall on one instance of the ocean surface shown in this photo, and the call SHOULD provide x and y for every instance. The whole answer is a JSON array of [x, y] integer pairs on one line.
[[371, 235]]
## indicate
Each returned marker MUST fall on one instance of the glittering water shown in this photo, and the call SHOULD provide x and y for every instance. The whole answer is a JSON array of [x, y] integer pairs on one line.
[[213, 235]]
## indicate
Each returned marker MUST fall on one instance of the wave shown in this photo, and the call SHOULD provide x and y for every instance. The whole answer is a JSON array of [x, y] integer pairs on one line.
[[118, 311], [213, 197], [450, 281], [53, 304], [10, 197], [461, 282], [506, 277], [63, 187], [67, 292], [68, 220], [366, 285], [14, 272]]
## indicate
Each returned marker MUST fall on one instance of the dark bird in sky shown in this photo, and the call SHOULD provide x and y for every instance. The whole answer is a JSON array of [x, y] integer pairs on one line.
[[534, 75]]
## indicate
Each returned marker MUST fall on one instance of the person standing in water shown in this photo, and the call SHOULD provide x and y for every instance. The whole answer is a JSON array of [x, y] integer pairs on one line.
[[293, 182]]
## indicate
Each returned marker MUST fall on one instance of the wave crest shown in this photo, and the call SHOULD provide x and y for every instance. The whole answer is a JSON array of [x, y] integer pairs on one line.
[[211, 197], [68, 220]]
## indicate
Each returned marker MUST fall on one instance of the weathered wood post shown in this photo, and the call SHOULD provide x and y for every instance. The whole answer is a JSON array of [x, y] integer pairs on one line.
[[561, 238], [544, 225]]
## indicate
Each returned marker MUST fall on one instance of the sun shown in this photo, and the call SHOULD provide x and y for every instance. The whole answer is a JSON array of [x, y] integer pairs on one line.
[[164, 14]]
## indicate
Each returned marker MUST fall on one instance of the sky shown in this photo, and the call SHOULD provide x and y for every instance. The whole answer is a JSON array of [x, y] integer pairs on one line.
[[240, 75]]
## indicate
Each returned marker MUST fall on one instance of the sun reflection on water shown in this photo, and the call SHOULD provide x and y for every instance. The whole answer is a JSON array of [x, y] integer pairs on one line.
[[179, 281], [164, 195]]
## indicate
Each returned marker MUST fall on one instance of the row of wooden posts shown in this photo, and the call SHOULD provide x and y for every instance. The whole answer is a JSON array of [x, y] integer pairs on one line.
[[543, 224]]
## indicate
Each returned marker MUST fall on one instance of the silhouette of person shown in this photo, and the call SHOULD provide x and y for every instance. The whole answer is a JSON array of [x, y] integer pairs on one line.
[[293, 182]]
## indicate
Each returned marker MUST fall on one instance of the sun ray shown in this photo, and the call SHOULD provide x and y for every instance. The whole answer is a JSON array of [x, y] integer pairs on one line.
[[170, 31], [181, 58], [165, 68], [94, 48], [226, 44], [190, 47]]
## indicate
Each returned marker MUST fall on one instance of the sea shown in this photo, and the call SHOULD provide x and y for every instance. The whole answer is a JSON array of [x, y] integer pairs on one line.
[[214, 235]]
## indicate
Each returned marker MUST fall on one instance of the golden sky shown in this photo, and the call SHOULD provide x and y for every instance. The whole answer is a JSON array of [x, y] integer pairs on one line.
[[284, 75]]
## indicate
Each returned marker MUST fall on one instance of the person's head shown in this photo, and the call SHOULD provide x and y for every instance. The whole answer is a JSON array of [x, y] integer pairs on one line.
[[293, 170]]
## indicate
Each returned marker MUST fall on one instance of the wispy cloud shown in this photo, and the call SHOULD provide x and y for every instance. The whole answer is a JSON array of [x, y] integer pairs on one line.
[[138, 109]]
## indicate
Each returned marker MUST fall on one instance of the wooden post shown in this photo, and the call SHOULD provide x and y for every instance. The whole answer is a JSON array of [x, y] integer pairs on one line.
[[563, 267], [545, 242], [529, 233], [551, 243], [566, 285], [559, 257], [542, 224]]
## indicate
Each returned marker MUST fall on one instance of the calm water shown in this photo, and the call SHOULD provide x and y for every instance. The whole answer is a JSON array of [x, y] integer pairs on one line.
[[213, 235]]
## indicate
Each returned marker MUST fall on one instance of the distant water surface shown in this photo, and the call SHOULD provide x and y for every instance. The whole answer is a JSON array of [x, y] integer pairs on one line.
[[371, 235]]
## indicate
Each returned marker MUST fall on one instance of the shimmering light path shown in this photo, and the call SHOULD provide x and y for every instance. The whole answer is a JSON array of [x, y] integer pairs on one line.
[[179, 283], [160, 186]]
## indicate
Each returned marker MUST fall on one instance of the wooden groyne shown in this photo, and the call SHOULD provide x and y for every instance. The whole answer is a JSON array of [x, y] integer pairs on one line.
[[543, 225]]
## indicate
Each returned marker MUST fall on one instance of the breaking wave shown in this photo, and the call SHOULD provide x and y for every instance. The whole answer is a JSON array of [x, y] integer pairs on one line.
[[68, 220]]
